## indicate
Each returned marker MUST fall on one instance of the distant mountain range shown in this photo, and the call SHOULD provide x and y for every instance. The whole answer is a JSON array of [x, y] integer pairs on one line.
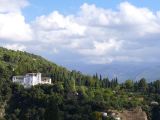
[[124, 71]]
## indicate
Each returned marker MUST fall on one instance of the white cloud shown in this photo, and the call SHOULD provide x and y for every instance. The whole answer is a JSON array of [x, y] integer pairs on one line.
[[102, 48], [110, 59], [13, 27], [94, 34], [12, 5], [55, 26], [91, 15], [12, 22], [15, 47], [142, 19]]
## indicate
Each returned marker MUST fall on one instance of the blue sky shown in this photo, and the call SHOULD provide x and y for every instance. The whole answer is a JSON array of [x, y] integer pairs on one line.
[[39, 7], [83, 31]]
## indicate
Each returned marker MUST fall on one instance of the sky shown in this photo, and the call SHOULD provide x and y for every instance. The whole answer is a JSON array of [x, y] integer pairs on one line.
[[83, 31]]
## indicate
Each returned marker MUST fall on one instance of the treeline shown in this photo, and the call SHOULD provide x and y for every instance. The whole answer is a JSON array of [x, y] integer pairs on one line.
[[142, 86]]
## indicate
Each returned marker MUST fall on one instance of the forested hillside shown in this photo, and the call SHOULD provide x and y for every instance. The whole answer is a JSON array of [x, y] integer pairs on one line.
[[19, 63], [72, 95]]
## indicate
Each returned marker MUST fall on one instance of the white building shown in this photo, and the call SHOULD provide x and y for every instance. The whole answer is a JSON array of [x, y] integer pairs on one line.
[[31, 79]]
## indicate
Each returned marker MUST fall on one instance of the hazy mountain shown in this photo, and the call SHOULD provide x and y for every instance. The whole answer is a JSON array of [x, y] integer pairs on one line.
[[135, 71]]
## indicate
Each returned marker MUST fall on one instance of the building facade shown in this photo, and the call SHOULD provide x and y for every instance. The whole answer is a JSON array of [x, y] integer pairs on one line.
[[31, 79]]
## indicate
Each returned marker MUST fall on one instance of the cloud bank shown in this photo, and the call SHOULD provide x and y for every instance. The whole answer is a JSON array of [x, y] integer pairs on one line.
[[92, 35], [12, 23]]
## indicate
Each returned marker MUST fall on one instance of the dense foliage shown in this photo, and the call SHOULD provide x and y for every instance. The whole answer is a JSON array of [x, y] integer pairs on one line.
[[72, 95]]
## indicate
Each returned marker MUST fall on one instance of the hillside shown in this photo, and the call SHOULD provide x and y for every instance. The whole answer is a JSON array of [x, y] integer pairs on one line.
[[19, 63], [72, 96]]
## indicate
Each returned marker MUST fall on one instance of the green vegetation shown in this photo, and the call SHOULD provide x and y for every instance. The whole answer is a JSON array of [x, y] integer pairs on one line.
[[72, 96]]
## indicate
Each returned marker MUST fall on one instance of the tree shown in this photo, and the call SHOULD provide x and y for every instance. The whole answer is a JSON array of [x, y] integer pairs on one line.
[[142, 85], [69, 85], [52, 111], [72, 85], [156, 84], [129, 84]]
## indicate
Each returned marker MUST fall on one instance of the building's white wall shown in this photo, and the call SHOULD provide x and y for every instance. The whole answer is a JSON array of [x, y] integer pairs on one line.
[[30, 79], [36, 79], [47, 81], [18, 79]]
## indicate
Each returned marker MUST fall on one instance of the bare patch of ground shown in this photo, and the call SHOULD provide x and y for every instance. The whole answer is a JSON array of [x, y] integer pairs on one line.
[[134, 114]]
